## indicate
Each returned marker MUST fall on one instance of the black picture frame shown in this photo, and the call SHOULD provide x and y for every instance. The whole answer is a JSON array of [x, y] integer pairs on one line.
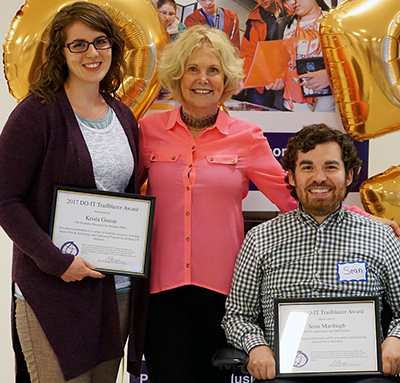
[[88, 198]]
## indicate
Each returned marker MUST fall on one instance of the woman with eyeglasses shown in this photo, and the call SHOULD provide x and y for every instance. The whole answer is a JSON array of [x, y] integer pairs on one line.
[[167, 10], [70, 322]]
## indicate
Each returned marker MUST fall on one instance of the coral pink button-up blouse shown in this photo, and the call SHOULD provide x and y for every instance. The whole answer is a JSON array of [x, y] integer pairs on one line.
[[199, 185]]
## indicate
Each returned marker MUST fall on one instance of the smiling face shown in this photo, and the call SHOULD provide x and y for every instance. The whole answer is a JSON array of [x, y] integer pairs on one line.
[[167, 12], [202, 84], [268, 5], [88, 67], [305, 9], [209, 6], [320, 180]]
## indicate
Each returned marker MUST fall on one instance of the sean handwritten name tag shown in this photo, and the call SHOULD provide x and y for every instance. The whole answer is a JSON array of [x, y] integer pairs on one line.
[[352, 271]]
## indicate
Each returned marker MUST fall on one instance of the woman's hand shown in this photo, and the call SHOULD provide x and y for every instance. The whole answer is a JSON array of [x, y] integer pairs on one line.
[[240, 88], [315, 80], [80, 269], [277, 85]]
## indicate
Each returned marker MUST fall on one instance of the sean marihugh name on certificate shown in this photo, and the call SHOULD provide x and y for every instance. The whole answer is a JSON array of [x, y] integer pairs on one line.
[[328, 337]]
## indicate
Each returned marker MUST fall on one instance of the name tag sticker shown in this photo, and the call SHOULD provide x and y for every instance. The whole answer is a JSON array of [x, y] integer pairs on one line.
[[352, 271]]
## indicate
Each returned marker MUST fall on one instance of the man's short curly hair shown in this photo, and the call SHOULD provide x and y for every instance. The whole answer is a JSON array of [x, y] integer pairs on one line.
[[312, 135]]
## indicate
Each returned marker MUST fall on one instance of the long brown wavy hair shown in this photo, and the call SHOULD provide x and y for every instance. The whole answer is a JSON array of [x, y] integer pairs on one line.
[[54, 71]]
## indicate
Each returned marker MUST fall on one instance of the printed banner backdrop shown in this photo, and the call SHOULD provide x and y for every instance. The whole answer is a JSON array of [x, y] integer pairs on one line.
[[237, 377], [143, 375]]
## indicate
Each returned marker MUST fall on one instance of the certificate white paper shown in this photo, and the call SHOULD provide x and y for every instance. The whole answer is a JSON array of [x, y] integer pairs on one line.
[[330, 336], [112, 231]]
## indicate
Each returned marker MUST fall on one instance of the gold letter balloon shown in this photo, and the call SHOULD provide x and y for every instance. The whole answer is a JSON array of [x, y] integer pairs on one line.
[[380, 195], [139, 21], [361, 43]]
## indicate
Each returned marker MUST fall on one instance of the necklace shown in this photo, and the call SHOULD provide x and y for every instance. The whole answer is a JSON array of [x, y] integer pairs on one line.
[[199, 123]]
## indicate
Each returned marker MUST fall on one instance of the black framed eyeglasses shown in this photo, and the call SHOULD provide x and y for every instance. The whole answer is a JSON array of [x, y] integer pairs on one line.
[[79, 46]]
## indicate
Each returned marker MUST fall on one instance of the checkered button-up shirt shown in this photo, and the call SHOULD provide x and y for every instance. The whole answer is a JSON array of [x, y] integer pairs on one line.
[[292, 256]]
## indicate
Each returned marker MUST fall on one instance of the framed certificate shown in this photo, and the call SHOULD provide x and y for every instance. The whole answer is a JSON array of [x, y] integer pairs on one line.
[[328, 336], [112, 231]]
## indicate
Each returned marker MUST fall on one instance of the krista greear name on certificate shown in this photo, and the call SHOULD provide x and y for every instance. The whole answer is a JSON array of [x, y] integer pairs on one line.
[[110, 230], [329, 336]]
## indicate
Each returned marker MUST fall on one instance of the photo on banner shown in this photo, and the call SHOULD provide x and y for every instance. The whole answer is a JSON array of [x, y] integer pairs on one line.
[[274, 122]]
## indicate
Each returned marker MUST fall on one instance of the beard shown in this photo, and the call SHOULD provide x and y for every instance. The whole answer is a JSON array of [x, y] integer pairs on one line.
[[324, 206]]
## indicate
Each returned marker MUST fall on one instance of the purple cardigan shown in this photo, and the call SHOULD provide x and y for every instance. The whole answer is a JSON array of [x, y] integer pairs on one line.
[[42, 146]]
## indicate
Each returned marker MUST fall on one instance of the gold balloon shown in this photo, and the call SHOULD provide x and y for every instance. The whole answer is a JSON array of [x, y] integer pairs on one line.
[[380, 194], [360, 39], [139, 21]]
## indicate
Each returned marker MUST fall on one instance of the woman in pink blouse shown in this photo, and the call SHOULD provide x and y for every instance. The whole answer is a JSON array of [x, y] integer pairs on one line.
[[198, 161]]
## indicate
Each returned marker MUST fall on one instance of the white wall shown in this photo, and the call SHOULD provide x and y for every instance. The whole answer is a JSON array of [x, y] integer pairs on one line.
[[384, 152]]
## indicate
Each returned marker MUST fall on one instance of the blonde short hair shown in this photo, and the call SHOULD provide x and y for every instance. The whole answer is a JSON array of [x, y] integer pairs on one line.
[[175, 55]]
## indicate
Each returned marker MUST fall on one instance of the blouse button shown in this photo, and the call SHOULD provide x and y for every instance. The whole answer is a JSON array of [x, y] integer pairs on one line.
[[187, 265], [233, 161], [173, 158], [190, 165], [211, 159], [193, 147], [153, 158], [187, 188], [187, 239], [188, 213]]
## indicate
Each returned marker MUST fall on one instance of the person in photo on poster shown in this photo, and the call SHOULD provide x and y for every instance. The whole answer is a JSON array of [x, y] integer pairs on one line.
[[303, 25], [307, 253], [216, 17], [70, 322], [260, 26], [167, 10]]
